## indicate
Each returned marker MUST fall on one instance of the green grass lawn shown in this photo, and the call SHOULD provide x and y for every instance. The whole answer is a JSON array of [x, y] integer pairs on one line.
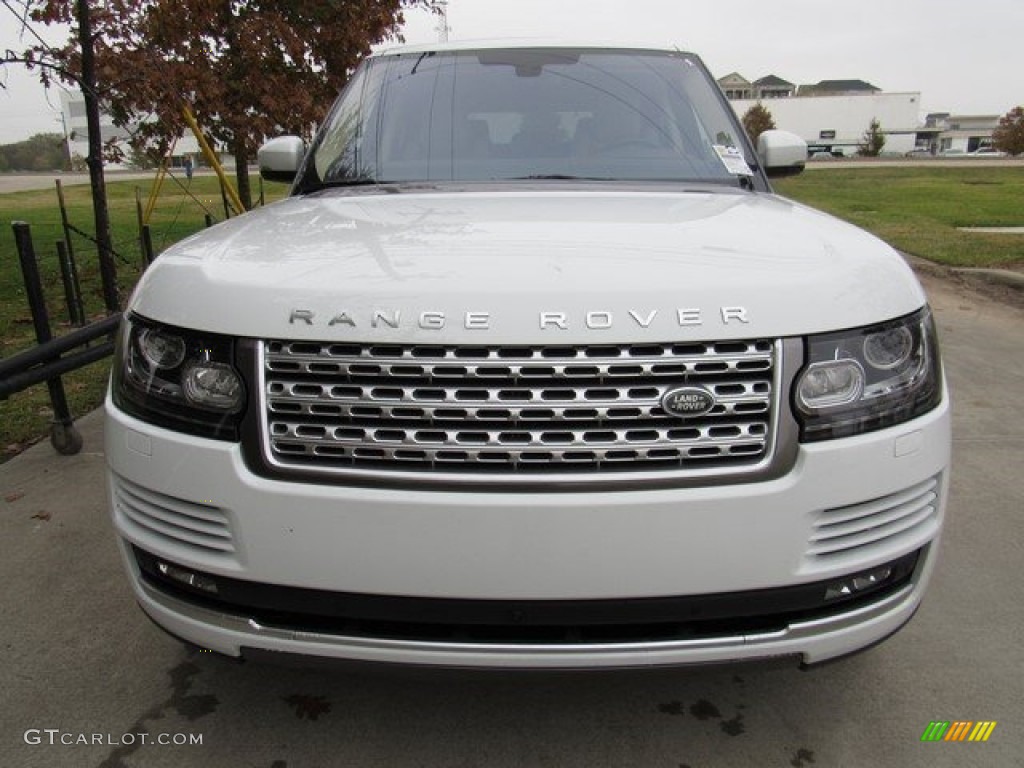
[[917, 209], [26, 415]]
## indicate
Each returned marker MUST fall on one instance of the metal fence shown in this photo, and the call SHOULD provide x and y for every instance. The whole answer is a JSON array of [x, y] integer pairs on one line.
[[53, 357]]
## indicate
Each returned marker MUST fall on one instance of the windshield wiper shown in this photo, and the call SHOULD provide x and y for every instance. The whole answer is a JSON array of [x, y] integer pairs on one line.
[[558, 177], [361, 182]]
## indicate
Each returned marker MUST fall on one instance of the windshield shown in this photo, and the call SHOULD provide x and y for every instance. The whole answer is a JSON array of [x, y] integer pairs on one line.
[[528, 114]]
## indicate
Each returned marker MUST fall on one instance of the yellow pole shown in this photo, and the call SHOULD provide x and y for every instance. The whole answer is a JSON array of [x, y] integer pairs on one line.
[[154, 193], [158, 182], [211, 158]]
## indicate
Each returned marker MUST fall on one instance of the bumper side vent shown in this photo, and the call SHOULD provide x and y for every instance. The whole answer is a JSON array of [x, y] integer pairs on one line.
[[900, 517], [171, 520]]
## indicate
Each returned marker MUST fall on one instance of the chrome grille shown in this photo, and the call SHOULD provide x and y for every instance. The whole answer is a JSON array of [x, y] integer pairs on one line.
[[512, 409]]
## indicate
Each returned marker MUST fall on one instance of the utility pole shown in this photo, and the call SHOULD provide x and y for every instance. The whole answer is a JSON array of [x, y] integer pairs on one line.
[[67, 139], [108, 271], [442, 23]]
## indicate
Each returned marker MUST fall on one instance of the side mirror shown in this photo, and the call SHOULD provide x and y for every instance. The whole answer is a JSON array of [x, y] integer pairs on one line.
[[781, 153], [279, 159]]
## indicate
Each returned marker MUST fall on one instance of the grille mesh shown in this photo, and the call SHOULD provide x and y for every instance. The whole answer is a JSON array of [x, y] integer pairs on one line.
[[514, 409]]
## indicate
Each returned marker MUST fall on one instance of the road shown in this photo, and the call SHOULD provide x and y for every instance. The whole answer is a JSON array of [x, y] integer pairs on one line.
[[81, 660], [12, 182], [16, 182]]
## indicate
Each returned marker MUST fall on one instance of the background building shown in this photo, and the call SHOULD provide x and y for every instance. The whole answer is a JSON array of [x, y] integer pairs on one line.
[[832, 115], [736, 86], [838, 88], [955, 134], [773, 87], [77, 135]]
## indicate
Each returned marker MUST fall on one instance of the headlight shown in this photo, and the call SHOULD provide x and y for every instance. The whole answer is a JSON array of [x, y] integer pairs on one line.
[[179, 379], [868, 378]]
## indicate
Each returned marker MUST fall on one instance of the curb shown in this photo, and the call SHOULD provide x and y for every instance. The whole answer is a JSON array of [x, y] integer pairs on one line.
[[1009, 282], [1004, 277]]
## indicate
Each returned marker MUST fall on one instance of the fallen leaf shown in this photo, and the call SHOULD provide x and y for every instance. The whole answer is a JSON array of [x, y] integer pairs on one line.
[[45, 516], [13, 496], [308, 707]]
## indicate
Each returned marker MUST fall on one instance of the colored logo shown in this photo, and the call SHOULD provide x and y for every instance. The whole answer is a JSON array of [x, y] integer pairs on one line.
[[958, 730]]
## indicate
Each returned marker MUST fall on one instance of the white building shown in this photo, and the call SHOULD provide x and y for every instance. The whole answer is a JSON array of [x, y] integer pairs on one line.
[[832, 116], [72, 105], [955, 134], [837, 124]]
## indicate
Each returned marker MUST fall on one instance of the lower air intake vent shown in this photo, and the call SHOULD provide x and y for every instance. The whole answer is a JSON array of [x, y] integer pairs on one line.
[[174, 521], [890, 520]]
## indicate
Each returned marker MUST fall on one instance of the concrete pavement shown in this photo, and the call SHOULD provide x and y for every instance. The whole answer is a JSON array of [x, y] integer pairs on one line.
[[81, 661]]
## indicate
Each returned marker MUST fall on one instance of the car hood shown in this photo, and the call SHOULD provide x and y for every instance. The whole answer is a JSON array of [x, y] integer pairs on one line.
[[528, 266]]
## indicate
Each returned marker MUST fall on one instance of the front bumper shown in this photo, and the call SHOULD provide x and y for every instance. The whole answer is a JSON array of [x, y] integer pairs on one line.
[[847, 506]]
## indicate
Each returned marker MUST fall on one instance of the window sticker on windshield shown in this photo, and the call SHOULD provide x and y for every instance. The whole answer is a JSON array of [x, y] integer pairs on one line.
[[732, 159]]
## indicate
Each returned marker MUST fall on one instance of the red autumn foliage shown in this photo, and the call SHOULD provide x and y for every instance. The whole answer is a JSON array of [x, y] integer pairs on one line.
[[249, 69]]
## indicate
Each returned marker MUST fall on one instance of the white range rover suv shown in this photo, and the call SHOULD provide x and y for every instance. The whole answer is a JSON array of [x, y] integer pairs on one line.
[[531, 369]]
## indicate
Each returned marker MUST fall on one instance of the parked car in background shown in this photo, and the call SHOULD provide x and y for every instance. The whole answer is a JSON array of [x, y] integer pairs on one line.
[[987, 152]]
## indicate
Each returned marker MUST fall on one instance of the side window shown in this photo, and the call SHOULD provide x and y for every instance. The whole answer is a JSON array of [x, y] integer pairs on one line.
[[335, 150], [384, 127], [336, 156], [403, 139]]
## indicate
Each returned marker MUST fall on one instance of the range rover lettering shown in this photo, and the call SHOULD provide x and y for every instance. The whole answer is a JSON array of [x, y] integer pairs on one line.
[[531, 369]]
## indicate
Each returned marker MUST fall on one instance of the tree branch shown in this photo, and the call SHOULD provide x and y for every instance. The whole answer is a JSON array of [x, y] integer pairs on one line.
[[25, 26], [11, 58]]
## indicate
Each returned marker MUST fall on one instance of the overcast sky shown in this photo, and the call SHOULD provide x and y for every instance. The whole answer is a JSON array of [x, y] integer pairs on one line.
[[963, 57]]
